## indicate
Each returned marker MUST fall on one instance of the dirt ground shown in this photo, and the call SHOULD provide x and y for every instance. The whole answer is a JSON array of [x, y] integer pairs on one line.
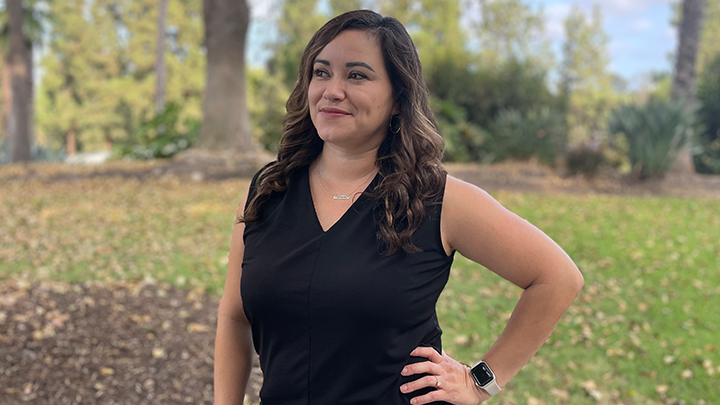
[[533, 178], [106, 344], [516, 176], [153, 344]]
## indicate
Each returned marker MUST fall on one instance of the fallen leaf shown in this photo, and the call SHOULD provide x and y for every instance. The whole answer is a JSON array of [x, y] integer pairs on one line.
[[462, 340], [197, 327], [562, 394], [534, 401], [140, 318], [591, 389], [158, 352]]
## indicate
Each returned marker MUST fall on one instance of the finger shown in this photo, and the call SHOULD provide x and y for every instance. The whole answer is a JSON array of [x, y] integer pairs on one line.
[[427, 381], [427, 352], [427, 367], [432, 396]]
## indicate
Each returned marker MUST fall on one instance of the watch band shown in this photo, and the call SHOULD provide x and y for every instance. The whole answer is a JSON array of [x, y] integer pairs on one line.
[[492, 388]]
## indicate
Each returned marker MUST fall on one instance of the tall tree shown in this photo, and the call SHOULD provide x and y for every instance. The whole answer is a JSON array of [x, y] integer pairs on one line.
[[160, 58], [684, 80], [585, 83], [82, 83], [32, 28], [338, 7], [20, 141], [92, 58], [226, 121], [709, 43], [32, 15], [298, 22], [435, 28], [512, 29]]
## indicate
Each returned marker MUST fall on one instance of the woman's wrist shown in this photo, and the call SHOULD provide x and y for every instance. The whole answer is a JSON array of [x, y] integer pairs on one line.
[[479, 393]]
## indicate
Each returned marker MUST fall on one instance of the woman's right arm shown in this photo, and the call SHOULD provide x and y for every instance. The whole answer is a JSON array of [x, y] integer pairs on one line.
[[233, 340]]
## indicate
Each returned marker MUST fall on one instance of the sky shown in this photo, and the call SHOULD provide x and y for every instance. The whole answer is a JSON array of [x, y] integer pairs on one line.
[[641, 38]]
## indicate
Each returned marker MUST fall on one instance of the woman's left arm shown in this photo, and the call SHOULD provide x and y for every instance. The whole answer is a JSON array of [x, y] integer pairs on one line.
[[482, 230]]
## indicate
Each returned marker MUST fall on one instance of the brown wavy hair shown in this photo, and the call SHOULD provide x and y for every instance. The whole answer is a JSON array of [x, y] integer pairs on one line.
[[408, 159]]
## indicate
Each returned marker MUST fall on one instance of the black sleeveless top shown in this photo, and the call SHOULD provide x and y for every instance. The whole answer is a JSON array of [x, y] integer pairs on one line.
[[334, 320]]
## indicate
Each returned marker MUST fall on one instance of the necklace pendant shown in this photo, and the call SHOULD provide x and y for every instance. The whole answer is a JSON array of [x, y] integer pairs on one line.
[[341, 196]]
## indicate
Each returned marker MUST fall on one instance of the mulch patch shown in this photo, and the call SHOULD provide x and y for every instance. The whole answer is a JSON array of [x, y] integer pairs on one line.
[[531, 177], [105, 344], [507, 176]]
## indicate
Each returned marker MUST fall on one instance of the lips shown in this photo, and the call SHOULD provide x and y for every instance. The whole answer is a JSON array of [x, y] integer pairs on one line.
[[333, 112]]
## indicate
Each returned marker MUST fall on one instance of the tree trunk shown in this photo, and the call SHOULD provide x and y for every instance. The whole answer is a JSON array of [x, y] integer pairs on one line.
[[688, 45], [160, 79], [226, 120], [30, 83], [6, 97], [70, 142], [685, 78], [19, 135]]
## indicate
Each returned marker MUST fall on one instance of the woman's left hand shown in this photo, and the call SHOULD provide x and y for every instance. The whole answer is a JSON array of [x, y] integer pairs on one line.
[[452, 380]]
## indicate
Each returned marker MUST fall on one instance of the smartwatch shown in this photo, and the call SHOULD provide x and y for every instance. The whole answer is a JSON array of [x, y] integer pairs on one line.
[[485, 378]]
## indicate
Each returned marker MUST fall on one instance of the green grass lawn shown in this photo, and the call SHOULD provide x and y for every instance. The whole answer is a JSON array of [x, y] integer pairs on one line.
[[643, 331]]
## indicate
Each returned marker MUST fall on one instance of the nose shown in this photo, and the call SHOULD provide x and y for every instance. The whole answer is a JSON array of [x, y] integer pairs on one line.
[[334, 90]]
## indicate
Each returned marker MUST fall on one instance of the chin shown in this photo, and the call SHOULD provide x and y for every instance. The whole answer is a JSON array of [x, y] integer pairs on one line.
[[333, 134], [332, 137]]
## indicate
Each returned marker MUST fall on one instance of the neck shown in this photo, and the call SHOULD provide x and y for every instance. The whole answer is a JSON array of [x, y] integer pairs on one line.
[[341, 167]]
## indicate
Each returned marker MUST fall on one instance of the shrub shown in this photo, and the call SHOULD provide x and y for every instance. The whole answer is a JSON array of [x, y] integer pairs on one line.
[[584, 159], [708, 115], [161, 136], [654, 132], [483, 91], [38, 153], [463, 140], [537, 134], [4, 153], [266, 102]]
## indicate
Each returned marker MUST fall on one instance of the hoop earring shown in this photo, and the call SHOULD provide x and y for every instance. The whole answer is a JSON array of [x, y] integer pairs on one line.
[[395, 124]]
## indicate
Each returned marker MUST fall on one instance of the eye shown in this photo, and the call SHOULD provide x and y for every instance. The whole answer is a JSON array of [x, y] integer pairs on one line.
[[320, 73], [356, 76]]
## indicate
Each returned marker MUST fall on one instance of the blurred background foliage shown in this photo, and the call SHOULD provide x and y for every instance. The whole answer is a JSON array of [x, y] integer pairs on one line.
[[654, 134], [707, 157], [498, 90]]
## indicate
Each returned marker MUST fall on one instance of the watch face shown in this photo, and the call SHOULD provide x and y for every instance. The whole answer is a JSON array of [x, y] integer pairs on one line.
[[483, 375]]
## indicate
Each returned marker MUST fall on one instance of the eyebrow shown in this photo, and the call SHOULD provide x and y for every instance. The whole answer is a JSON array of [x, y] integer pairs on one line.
[[348, 65]]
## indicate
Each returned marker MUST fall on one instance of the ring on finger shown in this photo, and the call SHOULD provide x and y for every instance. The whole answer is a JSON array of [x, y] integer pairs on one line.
[[437, 382]]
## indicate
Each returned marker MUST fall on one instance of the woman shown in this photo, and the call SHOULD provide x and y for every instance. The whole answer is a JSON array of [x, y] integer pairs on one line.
[[346, 241]]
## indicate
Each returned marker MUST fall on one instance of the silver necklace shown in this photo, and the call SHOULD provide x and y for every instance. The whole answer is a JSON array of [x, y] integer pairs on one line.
[[342, 196]]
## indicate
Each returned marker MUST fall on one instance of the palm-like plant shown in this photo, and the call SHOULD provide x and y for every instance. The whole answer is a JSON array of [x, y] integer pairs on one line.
[[655, 134]]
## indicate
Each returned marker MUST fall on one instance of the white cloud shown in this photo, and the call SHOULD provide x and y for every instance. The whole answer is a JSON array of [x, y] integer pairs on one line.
[[617, 8], [641, 25], [670, 33], [639, 32], [621, 46], [263, 10], [555, 15]]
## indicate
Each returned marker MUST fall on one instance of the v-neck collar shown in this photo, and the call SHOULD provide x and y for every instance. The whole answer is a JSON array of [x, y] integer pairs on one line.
[[353, 206]]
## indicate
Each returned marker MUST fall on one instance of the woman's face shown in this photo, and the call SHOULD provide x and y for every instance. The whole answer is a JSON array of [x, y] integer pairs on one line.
[[350, 95]]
